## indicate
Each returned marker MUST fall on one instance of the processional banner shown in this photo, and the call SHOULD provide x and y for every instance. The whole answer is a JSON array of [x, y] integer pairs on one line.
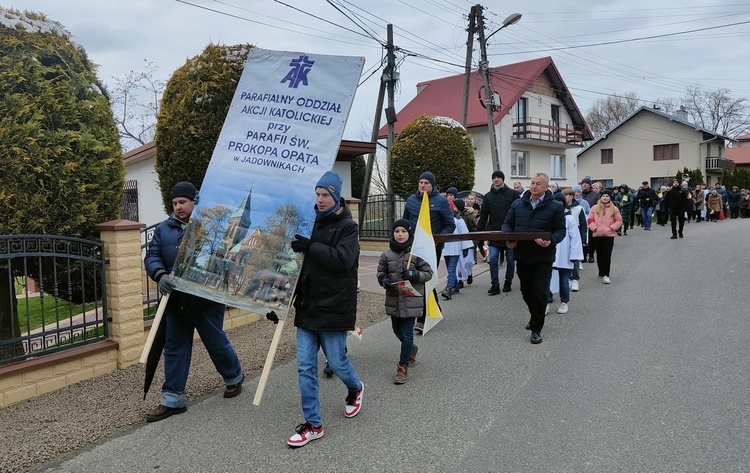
[[282, 132]]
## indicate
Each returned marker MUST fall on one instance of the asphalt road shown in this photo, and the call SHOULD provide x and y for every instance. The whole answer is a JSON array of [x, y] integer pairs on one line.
[[648, 374]]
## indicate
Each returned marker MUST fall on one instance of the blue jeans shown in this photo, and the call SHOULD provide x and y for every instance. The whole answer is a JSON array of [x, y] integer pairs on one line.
[[333, 343], [646, 213], [404, 330], [510, 263], [178, 350], [451, 262], [564, 275], [574, 273]]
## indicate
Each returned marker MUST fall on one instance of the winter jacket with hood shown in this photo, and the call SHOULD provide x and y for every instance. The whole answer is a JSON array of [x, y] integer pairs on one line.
[[326, 293]]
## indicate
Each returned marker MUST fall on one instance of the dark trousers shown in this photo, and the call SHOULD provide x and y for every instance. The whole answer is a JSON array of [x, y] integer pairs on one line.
[[534, 279], [603, 247], [674, 217], [734, 212]]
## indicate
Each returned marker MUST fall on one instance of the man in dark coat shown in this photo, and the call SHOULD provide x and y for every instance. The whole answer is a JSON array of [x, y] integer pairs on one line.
[[186, 313], [536, 211], [441, 218], [492, 213], [326, 305], [676, 201], [591, 197], [646, 199]]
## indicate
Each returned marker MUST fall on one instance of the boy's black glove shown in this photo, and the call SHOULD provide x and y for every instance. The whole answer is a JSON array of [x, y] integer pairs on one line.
[[385, 282], [410, 275], [300, 244], [466, 252]]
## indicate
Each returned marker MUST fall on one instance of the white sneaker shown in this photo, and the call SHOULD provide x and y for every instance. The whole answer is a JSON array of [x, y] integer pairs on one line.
[[563, 308], [546, 310], [606, 280], [574, 285], [305, 434], [354, 402]]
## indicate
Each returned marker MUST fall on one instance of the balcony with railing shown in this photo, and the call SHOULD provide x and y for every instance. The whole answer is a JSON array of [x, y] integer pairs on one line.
[[719, 164], [538, 129]]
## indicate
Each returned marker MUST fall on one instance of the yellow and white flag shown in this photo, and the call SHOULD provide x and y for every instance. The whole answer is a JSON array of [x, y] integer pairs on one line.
[[424, 247]]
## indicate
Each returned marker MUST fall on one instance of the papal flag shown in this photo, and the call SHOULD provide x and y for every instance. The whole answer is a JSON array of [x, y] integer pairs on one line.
[[424, 247]]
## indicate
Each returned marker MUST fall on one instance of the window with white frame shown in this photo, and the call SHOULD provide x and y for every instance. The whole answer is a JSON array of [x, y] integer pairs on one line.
[[519, 162], [557, 166]]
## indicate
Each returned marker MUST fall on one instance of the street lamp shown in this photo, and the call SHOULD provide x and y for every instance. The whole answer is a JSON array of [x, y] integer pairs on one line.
[[512, 19], [489, 98]]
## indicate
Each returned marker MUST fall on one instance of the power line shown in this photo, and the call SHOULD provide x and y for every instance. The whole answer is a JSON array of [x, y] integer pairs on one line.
[[643, 38]]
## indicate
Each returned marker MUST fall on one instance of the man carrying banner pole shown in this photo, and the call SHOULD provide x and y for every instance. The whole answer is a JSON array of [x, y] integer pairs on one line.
[[433, 211], [326, 305]]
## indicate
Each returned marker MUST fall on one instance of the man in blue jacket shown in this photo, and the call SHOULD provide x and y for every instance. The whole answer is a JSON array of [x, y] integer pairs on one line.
[[186, 313], [535, 211], [441, 217]]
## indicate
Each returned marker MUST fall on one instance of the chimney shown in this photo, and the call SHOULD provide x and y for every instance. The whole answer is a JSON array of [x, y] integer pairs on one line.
[[682, 113]]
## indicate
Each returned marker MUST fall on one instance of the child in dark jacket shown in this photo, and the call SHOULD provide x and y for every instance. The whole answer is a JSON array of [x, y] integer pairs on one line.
[[398, 264]]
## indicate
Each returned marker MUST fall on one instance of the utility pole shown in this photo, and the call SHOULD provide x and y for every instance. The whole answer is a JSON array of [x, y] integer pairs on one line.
[[372, 156], [484, 69], [467, 69], [390, 114], [387, 79]]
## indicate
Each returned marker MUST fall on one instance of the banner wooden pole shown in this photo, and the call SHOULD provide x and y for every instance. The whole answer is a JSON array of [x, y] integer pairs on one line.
[[154, 327], [269, 362]]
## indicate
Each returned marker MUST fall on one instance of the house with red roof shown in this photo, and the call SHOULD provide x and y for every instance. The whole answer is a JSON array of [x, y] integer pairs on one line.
[[740, 151], [538, 125]]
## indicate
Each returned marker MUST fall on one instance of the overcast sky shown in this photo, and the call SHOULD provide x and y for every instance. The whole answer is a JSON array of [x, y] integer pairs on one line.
[[601, 47]]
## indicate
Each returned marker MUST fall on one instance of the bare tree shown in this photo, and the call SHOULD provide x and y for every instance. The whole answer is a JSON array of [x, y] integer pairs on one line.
[[135, 103], [608, 112], [717, 110]]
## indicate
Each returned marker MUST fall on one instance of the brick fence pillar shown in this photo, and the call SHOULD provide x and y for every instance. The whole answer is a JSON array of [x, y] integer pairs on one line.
[[122, 249]]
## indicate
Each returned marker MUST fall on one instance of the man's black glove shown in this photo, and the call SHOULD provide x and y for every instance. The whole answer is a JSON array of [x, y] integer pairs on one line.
[[300, 244], [385, 282], [272, 317], [466, 252], [166, 284], [410, 275]]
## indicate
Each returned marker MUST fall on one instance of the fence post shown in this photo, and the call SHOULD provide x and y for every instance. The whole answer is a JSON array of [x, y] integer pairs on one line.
[[122, 250]]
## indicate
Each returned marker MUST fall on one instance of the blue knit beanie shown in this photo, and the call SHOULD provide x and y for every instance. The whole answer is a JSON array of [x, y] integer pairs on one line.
[[453, 191], [331, 182]]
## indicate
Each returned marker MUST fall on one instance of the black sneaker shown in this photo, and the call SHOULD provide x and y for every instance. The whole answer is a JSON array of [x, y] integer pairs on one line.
[[470, 279], [328, 371], [591, 258], [506, 286], [494, 290], [460, 284]]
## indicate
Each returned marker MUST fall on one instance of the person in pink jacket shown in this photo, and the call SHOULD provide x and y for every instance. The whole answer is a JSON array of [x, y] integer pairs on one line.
[[604, 221]]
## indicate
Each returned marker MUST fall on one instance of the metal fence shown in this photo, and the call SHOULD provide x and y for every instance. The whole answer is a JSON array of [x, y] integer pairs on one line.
[[377, 214], [52, 295], [149, 290]]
